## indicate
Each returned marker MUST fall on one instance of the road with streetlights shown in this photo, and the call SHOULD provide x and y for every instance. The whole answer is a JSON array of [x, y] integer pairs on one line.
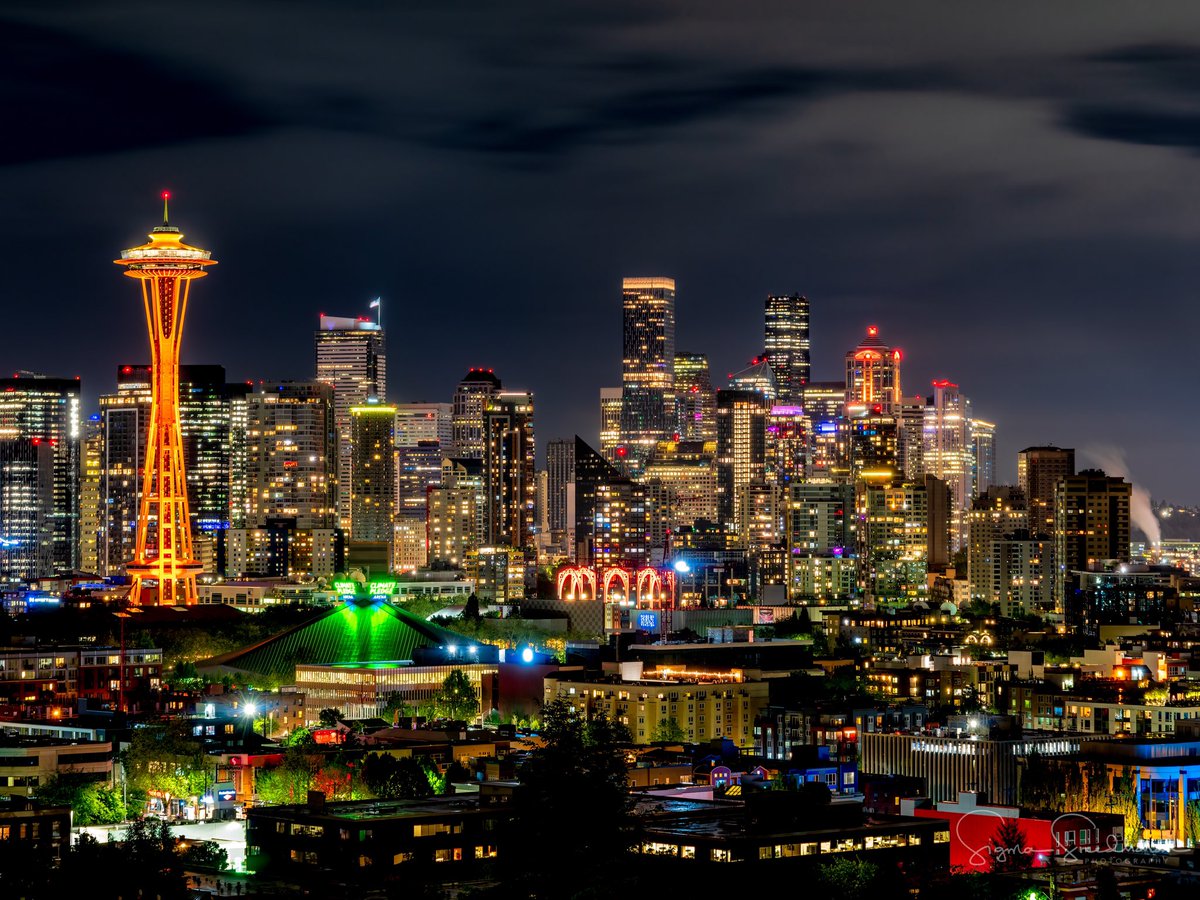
[[231, 836]]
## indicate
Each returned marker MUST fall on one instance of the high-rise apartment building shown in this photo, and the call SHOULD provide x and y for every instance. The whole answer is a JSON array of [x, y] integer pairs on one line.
[[994, 515], [471, 398], [904, 536], [1039, 470], [785, 338], [648, 367], [695, 398], [352, 360], [741, 451], [46, 410], [291, 461], [1091, 525], [821, 540], [91, 512], [948, 452], [1019, 574], [509, 470], [373, 473], [873, 374], [455, 522], [560, 472]]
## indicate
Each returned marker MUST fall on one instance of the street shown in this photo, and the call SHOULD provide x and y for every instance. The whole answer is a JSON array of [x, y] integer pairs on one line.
[[231, 836]]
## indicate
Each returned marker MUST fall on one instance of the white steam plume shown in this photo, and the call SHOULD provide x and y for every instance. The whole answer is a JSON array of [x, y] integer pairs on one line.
[[1112, 460]]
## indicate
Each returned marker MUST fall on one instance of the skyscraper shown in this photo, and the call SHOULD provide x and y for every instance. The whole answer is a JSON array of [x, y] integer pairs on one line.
[[949, 454], [418, 468], [416, 422], [124, 422], [994, 516], [685, 474], [983, 440], [610, 424], [1039, 469], [758, 377], [610, 512], [560, 471], [212, 420], [1091, 525], [34, 408], [695, 398], [787, 346], [873, 373], [91, 513], [351, 359], [26, 505], [648, 367], [163, 565], [741, 451], [824, 405], [509, 470], [290, 455], [471, 398], [455, 517], [373, 473], [212, 414]]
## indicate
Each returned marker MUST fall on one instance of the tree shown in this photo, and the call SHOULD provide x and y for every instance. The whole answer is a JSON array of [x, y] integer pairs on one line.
[[848, 879], [579, 767], [206, 855], [1008, 848], [329, 717], [397, 707], [300, 737], [458, 698], [668, 731], [470, 611], [166, 758], [94, 802], [392, 778]]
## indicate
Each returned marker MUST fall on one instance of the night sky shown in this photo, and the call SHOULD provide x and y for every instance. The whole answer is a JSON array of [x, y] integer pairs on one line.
[[1009, 191]]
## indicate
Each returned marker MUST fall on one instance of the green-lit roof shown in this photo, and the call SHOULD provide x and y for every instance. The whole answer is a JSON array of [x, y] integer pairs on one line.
[[353, 633]]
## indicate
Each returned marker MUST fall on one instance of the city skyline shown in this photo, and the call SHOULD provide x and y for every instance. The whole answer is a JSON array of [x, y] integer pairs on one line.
[[907, 183]]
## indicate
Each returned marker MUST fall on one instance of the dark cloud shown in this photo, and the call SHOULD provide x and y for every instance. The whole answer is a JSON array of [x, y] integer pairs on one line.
[[65, 96], [1137, 126], [651, 113]]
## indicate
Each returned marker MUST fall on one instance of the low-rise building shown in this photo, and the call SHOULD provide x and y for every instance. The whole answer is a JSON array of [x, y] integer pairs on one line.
[[976, 844], [374, 840], [950, 765], [704, 706], [26, 763], [27, 826]]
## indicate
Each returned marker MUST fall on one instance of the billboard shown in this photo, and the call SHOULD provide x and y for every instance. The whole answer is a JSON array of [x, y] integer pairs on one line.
[[647, 620]]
